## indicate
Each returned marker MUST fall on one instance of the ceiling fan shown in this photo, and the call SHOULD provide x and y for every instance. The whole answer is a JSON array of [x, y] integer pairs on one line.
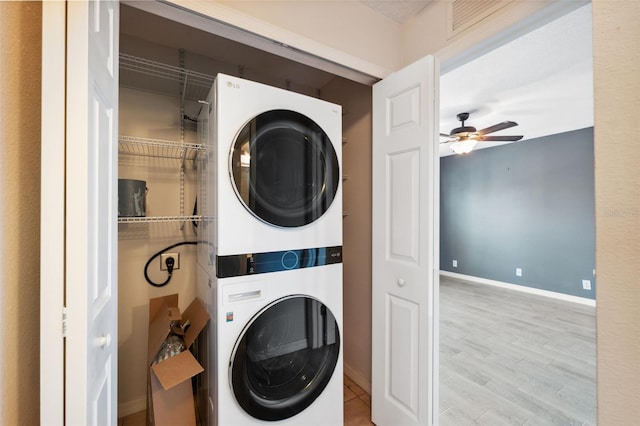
[[465, 138]]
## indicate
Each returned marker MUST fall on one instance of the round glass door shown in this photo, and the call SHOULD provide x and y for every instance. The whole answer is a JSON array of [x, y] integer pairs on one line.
[[285, 358], [284, 168]]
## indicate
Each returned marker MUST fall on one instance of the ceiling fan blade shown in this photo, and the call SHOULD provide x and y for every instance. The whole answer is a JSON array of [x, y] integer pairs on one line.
[[448, 139], [496, 127], [500, 138]]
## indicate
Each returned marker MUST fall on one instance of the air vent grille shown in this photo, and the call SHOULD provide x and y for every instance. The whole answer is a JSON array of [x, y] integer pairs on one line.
[[465, 13]]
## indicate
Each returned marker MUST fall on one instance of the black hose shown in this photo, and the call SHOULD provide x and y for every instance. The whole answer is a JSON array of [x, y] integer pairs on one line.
[[169, 270]]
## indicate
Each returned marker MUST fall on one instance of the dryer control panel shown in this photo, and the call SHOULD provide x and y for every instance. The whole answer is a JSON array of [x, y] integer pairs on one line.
[[276, 261]]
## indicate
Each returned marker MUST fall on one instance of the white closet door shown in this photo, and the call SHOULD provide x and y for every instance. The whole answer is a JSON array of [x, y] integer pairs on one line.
[[83, 234], [405, 245], [91, 212]]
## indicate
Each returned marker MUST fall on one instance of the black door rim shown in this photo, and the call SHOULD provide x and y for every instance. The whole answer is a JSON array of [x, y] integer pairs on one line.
[[298, 195], [266, 407]]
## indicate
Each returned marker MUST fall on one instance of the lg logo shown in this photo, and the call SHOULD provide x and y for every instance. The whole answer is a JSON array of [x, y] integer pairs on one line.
[[233, 85]]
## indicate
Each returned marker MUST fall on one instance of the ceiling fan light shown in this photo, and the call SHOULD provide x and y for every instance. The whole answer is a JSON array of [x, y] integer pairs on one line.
[[464, 147]]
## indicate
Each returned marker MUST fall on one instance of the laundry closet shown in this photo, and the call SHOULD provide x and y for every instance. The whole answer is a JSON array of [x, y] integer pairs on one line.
[[166, 72]]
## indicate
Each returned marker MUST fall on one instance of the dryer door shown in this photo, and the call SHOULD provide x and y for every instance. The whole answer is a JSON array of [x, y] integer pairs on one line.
[[284, 168], [285, 358]]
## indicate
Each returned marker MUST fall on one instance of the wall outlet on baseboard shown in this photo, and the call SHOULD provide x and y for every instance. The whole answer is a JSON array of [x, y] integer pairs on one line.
[[455, 263], [518, 272], [586, 284]]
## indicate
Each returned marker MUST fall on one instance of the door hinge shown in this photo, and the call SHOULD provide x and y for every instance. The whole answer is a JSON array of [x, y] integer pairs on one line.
[[64, 321]]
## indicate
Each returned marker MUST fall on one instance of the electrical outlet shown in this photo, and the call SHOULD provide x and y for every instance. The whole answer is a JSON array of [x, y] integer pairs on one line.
[[586, 284], [518, 272], [165, 256], [455, 263]]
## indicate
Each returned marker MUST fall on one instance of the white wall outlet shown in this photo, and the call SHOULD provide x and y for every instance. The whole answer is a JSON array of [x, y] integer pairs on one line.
[[455, 263], [165, 256], [518, 272], [586, 284]]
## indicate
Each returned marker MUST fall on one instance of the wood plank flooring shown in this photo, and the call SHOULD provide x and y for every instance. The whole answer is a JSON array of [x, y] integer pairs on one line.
[[508, 357]]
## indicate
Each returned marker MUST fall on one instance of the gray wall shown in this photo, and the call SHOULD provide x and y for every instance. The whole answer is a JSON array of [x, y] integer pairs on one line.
[[527, 205]]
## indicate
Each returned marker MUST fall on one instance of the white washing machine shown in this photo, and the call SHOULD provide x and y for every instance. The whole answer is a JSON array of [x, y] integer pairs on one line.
[[279, 347], [271, 255], [278, 156]]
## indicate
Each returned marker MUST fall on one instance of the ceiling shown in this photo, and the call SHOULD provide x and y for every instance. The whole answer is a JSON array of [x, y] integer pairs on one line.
[[398, 10], [542, 80]]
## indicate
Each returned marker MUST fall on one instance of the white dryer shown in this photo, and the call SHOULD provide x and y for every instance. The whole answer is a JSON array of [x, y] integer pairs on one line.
[[278, 181], [279, 347], [270, 255]]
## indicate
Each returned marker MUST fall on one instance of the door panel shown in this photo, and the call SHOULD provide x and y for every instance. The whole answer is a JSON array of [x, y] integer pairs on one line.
[[91, 213], [405, 245], [403, 355], [404, 109], [403, 183]]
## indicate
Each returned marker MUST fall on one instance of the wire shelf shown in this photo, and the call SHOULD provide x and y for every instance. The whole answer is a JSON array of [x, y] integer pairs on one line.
[[159, 219], [158, 148], [145, 74]]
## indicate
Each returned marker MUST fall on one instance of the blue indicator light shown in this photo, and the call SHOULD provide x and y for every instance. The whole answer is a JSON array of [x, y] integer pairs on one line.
[[289, 260]]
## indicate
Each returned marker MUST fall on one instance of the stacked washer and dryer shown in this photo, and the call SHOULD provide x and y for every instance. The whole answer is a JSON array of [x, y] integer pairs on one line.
[[270, 257]]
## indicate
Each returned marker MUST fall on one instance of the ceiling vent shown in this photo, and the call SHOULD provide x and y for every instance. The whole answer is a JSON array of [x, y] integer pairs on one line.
[[463, 14]]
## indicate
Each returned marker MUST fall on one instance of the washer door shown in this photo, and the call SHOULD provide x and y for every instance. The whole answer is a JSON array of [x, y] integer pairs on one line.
[[284, 168], [285, 358]]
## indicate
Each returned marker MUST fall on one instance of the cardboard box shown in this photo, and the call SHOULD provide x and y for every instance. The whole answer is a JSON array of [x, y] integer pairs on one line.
[[170, 394]]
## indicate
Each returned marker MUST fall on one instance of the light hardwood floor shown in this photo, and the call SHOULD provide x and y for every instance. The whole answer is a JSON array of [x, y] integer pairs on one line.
[[508, 357], [357, 408]]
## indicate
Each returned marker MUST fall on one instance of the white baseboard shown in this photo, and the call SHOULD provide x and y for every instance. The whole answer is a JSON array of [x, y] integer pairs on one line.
[[524, 289], [132, 407], [357, 377]]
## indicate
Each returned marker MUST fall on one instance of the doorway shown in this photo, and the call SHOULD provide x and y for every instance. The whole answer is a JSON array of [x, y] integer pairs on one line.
[[151, 109], [515, 205]]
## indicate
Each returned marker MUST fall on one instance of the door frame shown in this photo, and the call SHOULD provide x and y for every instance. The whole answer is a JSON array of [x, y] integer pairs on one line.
[[463, 52], [52, 216]]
